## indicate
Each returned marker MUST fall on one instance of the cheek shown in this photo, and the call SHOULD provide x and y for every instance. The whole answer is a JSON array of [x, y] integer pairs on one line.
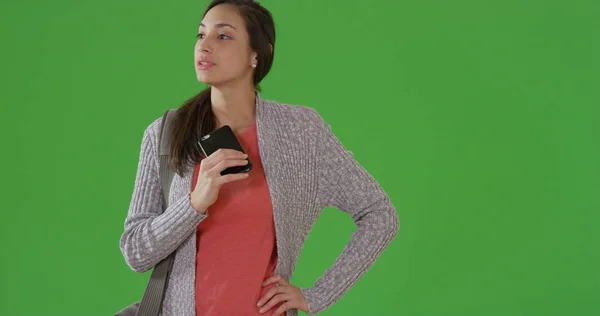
[[234, 63], [236, 55]]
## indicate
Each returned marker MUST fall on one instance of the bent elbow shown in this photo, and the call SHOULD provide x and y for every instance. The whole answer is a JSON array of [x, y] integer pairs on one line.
[[136, 265], [132, 258], [393, 227]]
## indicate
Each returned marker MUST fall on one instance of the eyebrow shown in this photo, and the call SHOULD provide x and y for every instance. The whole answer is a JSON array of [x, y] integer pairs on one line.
[[220, 25]]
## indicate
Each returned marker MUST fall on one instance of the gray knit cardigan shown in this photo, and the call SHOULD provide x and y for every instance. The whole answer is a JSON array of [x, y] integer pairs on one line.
[[307, 169]]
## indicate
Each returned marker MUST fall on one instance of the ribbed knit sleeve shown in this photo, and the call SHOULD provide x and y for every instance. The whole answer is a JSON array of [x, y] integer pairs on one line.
[[347, 186], [151, 235]]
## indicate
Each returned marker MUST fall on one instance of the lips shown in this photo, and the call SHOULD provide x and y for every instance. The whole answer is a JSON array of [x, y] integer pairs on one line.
[[204, 62], [204, 65]]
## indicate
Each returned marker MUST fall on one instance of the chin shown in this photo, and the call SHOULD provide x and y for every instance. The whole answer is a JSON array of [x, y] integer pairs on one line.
[[203, 78], [215, 82]]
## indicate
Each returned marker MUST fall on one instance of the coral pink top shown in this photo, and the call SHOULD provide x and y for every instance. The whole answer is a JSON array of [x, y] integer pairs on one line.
[[236, 247]]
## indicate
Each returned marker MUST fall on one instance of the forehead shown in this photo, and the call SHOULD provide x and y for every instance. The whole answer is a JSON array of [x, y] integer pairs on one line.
[[222, 15]]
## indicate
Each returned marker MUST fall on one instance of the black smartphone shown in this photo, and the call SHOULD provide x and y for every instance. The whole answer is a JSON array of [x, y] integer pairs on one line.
[[223, 137]]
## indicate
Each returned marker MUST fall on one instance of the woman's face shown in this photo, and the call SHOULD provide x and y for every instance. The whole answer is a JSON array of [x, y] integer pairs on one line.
[[222, 54]]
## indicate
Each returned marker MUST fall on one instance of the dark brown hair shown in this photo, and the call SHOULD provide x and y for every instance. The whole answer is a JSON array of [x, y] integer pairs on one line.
[[195, 117]]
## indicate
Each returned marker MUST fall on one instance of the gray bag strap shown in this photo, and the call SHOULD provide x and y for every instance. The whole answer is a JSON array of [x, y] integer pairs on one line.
[[164, 144], [151, 303]]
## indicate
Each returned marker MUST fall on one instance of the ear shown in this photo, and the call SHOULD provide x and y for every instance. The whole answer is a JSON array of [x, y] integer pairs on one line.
[[271, 48], [254, 58]]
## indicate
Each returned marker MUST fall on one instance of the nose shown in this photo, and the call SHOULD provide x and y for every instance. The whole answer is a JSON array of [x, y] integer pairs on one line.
[[204, 48], [204, 45]]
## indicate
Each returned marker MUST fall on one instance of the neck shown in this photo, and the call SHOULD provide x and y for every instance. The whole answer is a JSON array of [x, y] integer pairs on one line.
[[234, 106]]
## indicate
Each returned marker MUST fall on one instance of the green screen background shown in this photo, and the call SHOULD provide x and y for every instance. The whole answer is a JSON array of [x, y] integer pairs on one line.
[[480, 119]]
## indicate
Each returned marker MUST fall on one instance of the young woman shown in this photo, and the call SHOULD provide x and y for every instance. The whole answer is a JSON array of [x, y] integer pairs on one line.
[[237, 237]]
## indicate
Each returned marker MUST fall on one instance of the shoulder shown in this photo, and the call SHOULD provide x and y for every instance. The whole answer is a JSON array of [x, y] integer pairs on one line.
[[294, 114], [152, 132], [153, 129]]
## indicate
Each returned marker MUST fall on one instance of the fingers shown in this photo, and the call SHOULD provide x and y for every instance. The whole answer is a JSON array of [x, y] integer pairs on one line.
[[275, 279], [290, 295], [216, 170], [284, 297], [221, 155], [280, 288], [231, 177], [272, 292]]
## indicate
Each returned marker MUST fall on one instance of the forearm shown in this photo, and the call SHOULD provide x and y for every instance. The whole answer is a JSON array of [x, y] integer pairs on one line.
[[151, 234], [344, 184], [148, 239], [374, 233]]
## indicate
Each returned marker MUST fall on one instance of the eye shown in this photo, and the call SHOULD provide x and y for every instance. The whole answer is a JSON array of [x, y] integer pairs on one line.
[[200, 36], [223, 35]]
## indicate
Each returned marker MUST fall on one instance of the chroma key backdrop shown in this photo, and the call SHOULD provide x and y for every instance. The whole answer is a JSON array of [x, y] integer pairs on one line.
[[479, 119]]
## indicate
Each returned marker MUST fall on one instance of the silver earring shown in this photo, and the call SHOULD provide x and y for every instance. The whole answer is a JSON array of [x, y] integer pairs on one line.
[[253, 65]]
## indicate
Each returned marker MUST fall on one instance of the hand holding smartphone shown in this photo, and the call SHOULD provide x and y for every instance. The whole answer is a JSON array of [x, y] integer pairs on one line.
[[223, 137], [231, 163], [210, 181]]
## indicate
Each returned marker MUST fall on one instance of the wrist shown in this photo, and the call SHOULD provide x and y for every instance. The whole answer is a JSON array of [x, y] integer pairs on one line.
[[198, 207]]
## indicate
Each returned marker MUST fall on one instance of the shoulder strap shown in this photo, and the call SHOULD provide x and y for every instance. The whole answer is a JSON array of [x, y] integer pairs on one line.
[[151, 303], [164, 144]]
